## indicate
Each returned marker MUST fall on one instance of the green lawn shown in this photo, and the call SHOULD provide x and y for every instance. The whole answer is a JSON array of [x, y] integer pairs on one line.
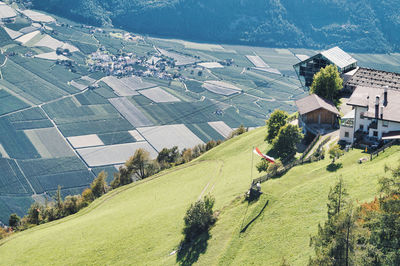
[[141, 223]]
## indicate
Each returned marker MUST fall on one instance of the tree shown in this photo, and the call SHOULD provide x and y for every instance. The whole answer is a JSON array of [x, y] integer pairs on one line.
[[199, 218], [285, 142], [14, 220], [274, 124], [335, 152], [59, 202], [337, 199], [138, 162], [168, 156], [335, 242], [99, 185], [34, 213], [327, 83], [384, 222]]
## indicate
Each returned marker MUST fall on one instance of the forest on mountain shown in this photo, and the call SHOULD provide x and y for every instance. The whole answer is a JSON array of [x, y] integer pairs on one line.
[[356, 26]]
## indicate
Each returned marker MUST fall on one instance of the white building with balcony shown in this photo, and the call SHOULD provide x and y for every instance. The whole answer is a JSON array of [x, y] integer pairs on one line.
[[375, 115]]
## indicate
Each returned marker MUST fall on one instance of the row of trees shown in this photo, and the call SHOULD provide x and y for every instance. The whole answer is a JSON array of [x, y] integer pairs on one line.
[[365, 235], [50, 211], [137, 167]]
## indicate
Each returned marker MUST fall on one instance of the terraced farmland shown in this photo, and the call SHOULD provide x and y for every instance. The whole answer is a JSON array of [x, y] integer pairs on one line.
[[63, 120]]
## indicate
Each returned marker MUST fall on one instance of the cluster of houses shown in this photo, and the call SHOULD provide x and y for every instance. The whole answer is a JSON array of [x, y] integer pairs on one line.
[[128, 64], [374, 99]]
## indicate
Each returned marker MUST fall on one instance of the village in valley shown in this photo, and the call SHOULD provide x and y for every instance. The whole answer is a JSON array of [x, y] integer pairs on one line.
[[92, 96]]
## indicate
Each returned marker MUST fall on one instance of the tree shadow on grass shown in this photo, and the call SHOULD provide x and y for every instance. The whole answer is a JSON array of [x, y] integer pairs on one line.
[[333, 167], [190, 251]]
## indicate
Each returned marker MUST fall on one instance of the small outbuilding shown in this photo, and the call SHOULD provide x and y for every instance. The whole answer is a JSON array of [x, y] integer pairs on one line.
[[315, 111]]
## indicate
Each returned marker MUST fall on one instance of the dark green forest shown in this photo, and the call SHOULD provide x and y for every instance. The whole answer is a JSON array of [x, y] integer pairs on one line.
[[356, 26]]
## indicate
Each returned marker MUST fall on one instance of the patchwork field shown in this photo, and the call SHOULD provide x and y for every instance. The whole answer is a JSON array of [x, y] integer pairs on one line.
[[63, 120], [169, 136], [159, 95], [271, 234], [113, 154]]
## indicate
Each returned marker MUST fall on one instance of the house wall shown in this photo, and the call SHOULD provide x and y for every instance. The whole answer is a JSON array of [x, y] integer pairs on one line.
[[361, 121], [391, 126], [320, 116], [350, 131]]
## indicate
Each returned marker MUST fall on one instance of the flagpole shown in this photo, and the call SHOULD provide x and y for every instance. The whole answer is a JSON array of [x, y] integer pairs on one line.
[[252, 163]]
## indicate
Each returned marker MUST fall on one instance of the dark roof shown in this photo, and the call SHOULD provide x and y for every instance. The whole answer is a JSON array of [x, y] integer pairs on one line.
[[366, 97], [367, 77], [314, 102]]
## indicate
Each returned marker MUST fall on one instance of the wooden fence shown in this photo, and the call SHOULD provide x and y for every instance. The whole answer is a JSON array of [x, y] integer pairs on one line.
[[310, 146], [290, 165], [383, 148]]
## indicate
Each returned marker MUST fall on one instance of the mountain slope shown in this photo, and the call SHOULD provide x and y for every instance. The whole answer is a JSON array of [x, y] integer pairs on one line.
[[360, 26], [141, 223]]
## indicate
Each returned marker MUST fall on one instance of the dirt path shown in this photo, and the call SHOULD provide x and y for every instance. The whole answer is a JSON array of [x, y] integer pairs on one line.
[[334, 137]]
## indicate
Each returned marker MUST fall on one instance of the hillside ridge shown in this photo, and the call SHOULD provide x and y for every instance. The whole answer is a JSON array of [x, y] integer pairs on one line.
[[362, 26]]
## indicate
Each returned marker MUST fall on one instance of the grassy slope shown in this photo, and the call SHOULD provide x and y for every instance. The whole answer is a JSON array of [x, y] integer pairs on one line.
[[141, 223]]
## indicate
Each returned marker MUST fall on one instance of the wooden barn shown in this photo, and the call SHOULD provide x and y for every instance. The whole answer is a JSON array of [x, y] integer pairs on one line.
[[313, 111]]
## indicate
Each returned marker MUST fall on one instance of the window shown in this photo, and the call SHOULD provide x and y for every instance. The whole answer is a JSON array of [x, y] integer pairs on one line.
[[361, 115], [385, 123], [346, 134], [361, 127], [375, 133]]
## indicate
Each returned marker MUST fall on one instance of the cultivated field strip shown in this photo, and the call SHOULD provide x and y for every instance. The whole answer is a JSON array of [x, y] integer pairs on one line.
[[49, 143], [6, 11], [50, 42], [130, 112], [37, 16], [220, 87], [180, 60], [85, 141], [159, 95], [169, 136], [211, 65], [113, 154], [136, 135], [126, 86], [12, 33], [24, 39], [257, 61], [52, 56], [221, 128]]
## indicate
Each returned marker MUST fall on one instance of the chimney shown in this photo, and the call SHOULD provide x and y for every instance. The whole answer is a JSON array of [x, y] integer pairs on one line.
[[381, 112], [385, 93], [377, 106]]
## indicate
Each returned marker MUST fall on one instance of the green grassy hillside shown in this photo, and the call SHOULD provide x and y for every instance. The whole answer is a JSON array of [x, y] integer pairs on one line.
[[141, 223]]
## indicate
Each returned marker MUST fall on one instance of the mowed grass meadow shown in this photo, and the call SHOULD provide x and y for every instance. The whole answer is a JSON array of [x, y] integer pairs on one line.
[[141, 223]]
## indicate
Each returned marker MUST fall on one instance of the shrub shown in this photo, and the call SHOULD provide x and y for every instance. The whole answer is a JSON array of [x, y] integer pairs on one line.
[[87, 195], [274, 168], [99, 185], [262, 166], [335, 152], [239, 131], [199, 218], [211, 144], [14, 221]]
